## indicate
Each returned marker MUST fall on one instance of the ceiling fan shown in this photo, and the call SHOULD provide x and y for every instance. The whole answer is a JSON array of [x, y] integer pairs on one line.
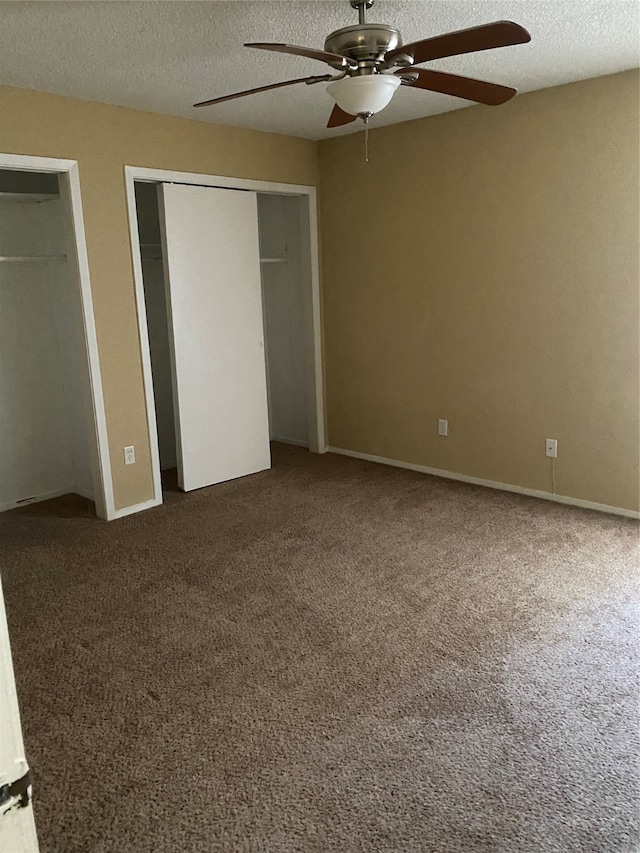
[[372, 62]]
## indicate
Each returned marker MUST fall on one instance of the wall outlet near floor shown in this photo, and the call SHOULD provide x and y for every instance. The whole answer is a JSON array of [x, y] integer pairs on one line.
[[551, 447], [443, 427], [129, 455]]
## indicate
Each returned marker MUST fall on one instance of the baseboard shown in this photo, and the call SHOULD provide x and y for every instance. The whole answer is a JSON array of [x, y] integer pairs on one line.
[[130, 510], [45, 496], [490, 484], [84, 493], [292, 441]]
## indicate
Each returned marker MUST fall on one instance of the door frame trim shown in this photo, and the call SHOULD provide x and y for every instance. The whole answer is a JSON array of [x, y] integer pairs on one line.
[[103, 483], [317, 437]]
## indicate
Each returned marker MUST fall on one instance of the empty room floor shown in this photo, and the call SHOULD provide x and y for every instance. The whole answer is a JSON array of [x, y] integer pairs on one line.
[[330, 656]]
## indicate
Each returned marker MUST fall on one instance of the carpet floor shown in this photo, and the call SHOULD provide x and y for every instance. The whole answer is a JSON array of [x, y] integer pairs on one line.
[[329, 656]]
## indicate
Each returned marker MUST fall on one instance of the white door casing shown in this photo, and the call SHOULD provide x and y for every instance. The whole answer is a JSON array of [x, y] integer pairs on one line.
[[17, 827], [210, 243], [311, 267], [69, 182]]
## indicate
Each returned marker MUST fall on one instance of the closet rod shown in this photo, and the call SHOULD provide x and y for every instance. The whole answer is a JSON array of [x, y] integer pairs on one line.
[[34, 198], [14, 258]]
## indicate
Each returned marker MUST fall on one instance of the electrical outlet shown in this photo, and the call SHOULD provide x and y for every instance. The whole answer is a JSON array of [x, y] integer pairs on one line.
[[552, 447], [129, 455], [443, 427]]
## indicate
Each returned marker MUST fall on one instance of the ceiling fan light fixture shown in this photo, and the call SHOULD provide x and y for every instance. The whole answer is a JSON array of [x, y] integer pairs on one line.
[[363, 95], [374, 61]]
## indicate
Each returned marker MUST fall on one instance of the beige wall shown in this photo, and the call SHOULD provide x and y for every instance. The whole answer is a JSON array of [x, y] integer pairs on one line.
[[103, 139], [483, 267]]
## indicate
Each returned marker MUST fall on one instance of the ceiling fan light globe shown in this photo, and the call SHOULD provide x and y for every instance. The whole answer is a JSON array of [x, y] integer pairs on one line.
[[364, 95]]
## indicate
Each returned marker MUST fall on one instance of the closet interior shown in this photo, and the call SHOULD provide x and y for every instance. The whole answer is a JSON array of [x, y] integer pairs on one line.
[[285, 312], [47, 438], [284, 297]]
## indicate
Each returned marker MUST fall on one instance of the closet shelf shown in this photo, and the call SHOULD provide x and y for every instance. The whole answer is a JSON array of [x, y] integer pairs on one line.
[[28, 197], [18, 258], [273, 260]]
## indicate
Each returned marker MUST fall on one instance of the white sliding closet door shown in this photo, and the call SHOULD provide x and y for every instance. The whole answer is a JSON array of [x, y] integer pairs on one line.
[[210, 240]]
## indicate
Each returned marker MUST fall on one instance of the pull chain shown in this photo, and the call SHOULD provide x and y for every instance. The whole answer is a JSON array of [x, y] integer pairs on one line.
[[366, 139]]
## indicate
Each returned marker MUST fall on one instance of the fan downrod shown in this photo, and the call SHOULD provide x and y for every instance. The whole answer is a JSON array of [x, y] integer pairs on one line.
[[361, 6]]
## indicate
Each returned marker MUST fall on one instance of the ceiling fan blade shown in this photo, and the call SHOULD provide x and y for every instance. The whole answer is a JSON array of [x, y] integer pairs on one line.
[[307, 80], [338, 117], [333, 59], [460, 87], [498, 34]]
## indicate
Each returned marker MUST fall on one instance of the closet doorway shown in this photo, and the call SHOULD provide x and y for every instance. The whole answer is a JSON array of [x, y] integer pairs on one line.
[[283, 304], [228, 304], [50, 388]]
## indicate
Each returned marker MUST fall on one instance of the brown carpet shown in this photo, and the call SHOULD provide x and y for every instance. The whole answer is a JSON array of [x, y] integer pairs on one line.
[[331, 656]]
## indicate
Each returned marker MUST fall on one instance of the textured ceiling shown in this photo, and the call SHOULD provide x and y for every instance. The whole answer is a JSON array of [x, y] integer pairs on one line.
[[163, 56]]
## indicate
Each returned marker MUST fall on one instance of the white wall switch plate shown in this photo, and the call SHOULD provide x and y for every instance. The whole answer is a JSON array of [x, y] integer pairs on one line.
[[129, 455], [552, 447], [443, 427]]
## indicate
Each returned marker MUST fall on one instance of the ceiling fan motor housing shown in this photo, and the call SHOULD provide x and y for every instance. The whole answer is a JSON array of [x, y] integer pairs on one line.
[[373, 62], [364, 42]]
